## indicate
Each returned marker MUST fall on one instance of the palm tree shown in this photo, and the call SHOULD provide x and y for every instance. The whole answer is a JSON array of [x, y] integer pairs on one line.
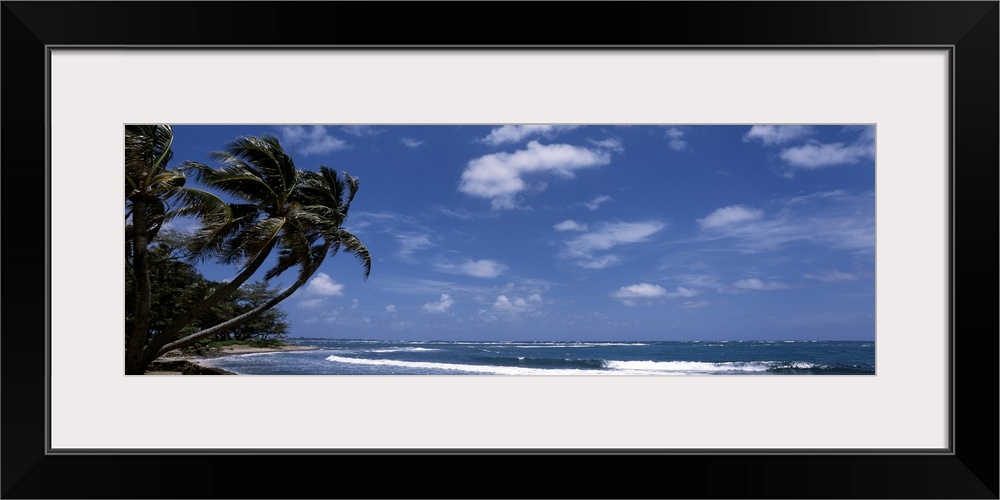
[[300, 213], [149, 188]]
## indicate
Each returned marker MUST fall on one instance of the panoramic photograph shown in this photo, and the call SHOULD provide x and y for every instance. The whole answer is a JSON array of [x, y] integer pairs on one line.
[[493, 249]]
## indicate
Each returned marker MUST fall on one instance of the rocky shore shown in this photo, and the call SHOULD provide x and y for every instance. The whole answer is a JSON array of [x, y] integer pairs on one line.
[[186, 362]]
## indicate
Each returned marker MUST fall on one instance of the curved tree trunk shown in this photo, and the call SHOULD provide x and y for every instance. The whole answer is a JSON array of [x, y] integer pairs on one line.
[[162, 339], [140, 327], [208, 332]]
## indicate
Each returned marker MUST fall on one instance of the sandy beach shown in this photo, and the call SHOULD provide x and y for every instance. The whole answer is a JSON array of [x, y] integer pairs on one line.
[[188, 362]]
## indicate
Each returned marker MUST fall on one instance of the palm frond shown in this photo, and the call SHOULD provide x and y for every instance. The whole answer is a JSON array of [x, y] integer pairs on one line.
[[243, 183], [285, 262], [254, 239], [147, 151], [295, 251], [165, 185], [353, 184], [266, 154], [219, 223], [197, 202], [318, 252], [352, 245], [148, 146]]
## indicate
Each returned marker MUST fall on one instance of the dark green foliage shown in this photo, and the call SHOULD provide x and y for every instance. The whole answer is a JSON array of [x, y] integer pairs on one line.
[[269, 324], [176, 286], [215, 344], [298, 213], [278, 207], [150, 186]]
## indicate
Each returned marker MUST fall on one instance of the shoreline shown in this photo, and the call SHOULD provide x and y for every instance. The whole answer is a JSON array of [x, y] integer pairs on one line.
[[178, 363]]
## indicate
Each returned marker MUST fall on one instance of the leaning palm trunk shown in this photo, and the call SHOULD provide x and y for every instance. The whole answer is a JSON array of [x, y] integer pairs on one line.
[[298, 209], [170, 333], [229, 324]]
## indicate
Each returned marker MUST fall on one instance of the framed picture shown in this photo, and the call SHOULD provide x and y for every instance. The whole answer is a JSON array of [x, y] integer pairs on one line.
[[919, 78]]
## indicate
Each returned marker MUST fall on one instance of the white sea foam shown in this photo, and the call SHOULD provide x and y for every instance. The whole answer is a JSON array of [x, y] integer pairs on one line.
[[549, 346], [613, 367], [575, 345], [404, 349], [502, 342], [602, 344], [802, 365], [686, 366], [695, 367], [481, 369], [256, 354]]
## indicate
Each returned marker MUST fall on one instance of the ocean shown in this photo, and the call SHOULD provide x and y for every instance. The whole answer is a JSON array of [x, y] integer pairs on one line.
[[401, 357]]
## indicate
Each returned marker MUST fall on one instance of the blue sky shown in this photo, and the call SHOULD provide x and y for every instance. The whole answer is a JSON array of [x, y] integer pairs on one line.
[[596, 232]]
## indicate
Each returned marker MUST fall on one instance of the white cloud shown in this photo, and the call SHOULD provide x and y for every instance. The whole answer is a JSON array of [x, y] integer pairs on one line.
[[833, 276], [518, 305], [324, 286], [499, 176], [460, 214], [361, 130], [640, 291], [799, 200], [354, 303], [412, 242], [691, 304], [411, 234], [411, 143], [608, 235], [570, 225], [729, 215], [676, 137], [441, 305], [311, 303], [598, 262], [515, 133], [611, 143], [511, 308], [526, 285], [312, 140], [712, 282], [612, 234], [483, 268], [772, 135], [816, 155], [758, 284], [413, 286], [843, 221], [683, 292], [700, 280], [391, 308], [596, 202], [646, 291]]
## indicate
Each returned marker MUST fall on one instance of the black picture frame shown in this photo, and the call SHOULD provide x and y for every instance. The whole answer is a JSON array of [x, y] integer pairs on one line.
[[970, 470]]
